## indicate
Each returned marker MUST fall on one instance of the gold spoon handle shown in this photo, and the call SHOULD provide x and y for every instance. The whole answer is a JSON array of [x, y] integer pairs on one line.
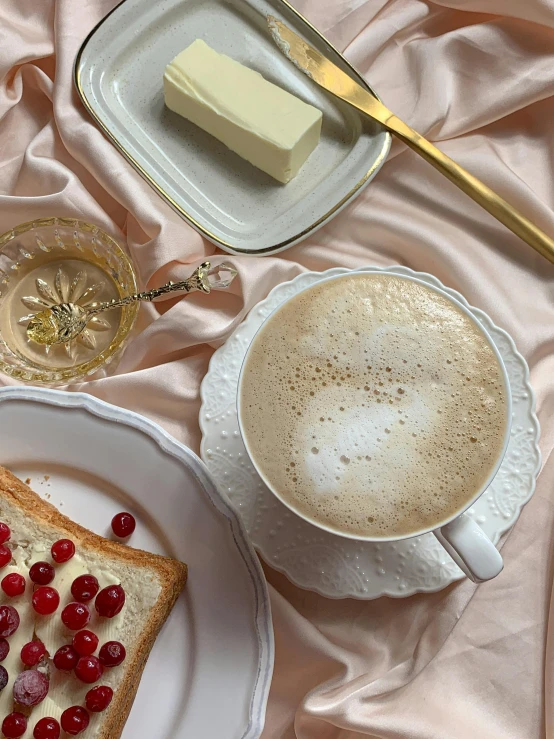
[[197, 281], [477, 190]]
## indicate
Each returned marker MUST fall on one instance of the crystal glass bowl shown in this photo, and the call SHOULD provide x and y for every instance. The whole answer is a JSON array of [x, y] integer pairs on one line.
[[55, 260]]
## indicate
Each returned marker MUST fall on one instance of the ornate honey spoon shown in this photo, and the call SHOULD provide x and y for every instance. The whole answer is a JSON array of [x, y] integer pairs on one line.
[[61, 323]]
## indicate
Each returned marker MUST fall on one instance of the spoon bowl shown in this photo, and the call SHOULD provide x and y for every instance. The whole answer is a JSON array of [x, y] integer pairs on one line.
[[58, 324]]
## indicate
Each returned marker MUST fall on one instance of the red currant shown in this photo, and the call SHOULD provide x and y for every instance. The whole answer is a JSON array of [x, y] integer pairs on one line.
[[9, 621], [5, 555], [84, 588], [123, 525], [30, 688], [46, 600], [112, 654], [75, 616], [14, 725], [3, 677], [75, 720], [13, 584], [32, 653], [47, 728], [110, 601], [4, 649], [66, 658], [85, 643], [42, 573], [89, 670], [5, 532], [99, 698], [62, 550]]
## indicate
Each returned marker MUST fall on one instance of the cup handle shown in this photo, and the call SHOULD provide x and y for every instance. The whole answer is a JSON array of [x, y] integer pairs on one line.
[[471, 549]]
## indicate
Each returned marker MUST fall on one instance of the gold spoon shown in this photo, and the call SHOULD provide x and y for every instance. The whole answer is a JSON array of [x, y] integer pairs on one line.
[[63, 322]]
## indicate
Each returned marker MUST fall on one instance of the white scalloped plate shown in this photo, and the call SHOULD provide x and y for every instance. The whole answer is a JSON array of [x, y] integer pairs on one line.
[[208, 675], [331, 565]]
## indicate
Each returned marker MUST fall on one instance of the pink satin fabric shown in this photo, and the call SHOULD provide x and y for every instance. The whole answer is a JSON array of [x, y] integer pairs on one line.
[[475, 76]]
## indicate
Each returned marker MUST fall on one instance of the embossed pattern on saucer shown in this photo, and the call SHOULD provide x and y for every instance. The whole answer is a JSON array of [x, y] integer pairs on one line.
[[329, 564]]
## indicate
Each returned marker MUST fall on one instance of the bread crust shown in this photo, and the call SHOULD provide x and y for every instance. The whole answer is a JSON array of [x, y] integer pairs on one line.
[[172, 575]]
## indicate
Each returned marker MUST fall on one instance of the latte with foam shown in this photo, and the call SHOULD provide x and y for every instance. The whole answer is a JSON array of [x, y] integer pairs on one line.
[[373, 405]]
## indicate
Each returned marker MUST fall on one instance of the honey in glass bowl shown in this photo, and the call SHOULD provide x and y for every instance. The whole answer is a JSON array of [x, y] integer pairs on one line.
[[58, 260]]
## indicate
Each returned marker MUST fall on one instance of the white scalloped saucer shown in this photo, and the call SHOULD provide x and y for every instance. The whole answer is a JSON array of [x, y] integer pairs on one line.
[[331, 565]]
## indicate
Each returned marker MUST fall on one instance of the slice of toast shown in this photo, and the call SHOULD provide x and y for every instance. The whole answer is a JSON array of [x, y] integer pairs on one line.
[[151, 583]]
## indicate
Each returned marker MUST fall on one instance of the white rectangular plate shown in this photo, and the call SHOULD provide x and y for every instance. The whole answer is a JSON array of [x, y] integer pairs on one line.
[[119, 71]]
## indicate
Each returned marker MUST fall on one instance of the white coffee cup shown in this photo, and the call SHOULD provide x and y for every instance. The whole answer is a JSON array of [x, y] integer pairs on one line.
[[460, 535]]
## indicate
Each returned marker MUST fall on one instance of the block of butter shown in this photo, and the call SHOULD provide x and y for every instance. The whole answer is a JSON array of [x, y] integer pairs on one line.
[[264, 124]]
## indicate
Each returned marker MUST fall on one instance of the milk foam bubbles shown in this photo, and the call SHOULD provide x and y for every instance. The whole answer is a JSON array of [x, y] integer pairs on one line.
[[373, 405]]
